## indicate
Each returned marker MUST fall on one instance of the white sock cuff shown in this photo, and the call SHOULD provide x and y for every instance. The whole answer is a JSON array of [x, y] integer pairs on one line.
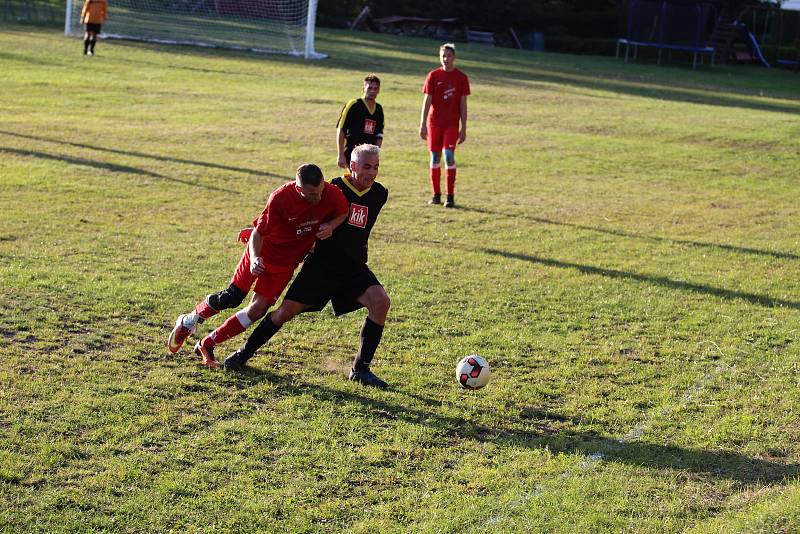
[[244, 320]]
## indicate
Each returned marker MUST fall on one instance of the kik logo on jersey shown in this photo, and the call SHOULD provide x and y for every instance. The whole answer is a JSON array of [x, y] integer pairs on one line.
[[358, 215], [369, 126]]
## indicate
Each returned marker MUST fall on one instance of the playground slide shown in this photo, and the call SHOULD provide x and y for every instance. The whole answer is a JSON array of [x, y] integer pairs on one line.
[[755, 49]]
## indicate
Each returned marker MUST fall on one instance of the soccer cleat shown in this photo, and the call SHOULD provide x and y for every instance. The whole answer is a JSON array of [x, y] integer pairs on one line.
[[368, 378], [435, 200], [178, 335], [207, 354], [450, 202], [236, 361]]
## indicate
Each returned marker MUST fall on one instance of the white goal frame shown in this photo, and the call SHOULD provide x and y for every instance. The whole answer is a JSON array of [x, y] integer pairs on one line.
[[72, 29]]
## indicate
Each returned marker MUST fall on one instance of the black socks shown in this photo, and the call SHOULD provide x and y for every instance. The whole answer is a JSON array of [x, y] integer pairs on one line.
[[260, 335], [371, 334]]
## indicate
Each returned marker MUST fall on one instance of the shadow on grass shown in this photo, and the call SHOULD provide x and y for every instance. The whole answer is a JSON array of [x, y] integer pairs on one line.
[[739, 468], [418, 56], [177, 65], [512, 66], [32, 60], [113, 167], [654, 90], [729, 294], [147, 156], [632, 235]]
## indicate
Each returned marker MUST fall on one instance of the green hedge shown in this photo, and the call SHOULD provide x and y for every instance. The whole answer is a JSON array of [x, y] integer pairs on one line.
[[33, 11], [578, 18]]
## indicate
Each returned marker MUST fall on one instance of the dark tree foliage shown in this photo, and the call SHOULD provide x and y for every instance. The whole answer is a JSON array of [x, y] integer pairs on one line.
[[579, 18]]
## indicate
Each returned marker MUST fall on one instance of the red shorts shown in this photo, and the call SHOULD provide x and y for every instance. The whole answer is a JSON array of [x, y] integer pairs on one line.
[[269, 284], [439, 138]]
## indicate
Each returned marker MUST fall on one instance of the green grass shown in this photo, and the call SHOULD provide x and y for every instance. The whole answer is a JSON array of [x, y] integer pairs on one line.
[[625, 255]]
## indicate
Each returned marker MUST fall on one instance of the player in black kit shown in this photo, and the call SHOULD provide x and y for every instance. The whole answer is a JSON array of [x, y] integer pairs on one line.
[[360, 122], [336, 271]]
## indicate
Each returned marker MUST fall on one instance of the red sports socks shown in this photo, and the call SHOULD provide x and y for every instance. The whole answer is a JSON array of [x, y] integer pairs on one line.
[[451, 181], [232, 327], [436, 180], [204, 310]]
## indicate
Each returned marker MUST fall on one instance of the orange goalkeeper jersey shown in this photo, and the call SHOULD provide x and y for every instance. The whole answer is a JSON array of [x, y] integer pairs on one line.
[[94, 12]]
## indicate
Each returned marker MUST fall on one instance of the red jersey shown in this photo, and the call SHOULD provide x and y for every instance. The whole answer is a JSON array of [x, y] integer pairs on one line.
[[289, 224], [446, 90]]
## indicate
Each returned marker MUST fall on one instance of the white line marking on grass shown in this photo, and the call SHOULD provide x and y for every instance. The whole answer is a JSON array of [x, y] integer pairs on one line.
[[635, 433]]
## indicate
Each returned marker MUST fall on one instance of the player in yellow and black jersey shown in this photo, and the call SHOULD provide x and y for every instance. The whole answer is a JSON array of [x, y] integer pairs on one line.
[[360, 122]]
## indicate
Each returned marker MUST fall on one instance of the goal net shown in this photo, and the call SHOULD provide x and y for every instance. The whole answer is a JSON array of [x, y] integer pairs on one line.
[[274, 26]]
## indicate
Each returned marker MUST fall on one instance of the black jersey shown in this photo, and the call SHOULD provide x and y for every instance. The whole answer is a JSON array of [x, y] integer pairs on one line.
[[350, 239], [359, 125]]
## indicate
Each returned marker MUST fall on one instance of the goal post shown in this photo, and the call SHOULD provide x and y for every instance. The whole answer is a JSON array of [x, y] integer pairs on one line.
[[271, 26], [68, 19]]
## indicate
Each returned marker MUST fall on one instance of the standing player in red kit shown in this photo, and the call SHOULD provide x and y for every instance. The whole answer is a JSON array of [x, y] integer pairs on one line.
[[444, 120], [296, 214]]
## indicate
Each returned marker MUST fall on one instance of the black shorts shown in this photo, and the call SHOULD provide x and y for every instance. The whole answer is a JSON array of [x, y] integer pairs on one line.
[[93, 28], [341, 282]]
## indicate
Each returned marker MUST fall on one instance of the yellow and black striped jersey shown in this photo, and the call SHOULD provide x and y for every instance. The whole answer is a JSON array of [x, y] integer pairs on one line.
[[359, 124]]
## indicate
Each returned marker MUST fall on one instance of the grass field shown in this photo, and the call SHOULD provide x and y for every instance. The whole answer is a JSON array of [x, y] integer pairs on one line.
[[625, 254]]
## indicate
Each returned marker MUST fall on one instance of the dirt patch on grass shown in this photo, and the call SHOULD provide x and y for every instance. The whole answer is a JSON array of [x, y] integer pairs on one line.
[[334, 366]]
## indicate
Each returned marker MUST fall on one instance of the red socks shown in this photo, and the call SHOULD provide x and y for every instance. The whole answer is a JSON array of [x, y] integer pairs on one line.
[[204, 310], [436, 180], [451, 181], [232, 327]]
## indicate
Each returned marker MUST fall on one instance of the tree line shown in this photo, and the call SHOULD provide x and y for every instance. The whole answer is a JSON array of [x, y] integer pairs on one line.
[[578, 18]]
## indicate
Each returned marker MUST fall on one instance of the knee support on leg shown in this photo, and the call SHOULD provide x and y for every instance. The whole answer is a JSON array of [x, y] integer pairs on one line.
[[449, 158], [227, 298]]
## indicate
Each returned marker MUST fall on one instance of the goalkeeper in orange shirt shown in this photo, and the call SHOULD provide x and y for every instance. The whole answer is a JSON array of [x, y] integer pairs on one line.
[[93, 14]]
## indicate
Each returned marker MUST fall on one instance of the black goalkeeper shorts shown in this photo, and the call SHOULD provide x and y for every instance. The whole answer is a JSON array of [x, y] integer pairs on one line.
[[341, 282], [93, 28]]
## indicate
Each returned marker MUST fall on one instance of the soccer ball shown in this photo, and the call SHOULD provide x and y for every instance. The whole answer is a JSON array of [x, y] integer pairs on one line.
[[473, 372]]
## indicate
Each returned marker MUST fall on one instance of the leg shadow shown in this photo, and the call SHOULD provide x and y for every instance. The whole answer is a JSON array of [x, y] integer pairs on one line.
[[729, 465]]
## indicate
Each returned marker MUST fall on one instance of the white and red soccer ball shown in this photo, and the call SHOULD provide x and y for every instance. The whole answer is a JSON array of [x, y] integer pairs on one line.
[[473, 372]]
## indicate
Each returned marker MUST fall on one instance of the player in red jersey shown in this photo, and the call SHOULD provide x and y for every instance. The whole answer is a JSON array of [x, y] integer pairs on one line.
[[336, 271], [296, 214], [444, 120]]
